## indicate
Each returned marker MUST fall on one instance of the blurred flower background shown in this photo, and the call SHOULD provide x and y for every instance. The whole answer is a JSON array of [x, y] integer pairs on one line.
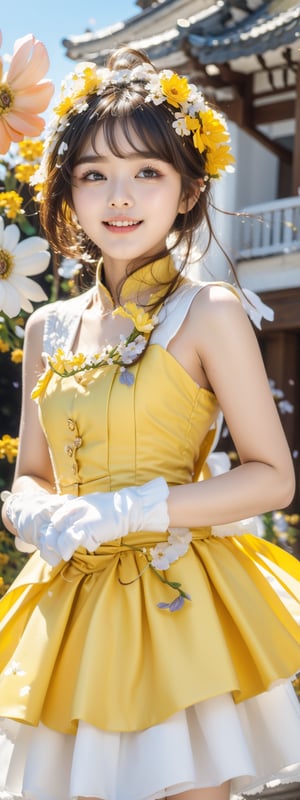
[[28, 271]]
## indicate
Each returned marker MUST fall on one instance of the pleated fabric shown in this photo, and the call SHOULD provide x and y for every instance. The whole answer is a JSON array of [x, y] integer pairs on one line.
[[87, 641], [203, 746], [102, 692]]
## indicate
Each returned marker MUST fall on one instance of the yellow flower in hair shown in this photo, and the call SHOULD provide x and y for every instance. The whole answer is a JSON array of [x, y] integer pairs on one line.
[[192, 115], [213, 127], [84, 83], [175, 89], [63, 107], [194, 126], [91, 80], [209, 131], [141, 319], [218, 159]]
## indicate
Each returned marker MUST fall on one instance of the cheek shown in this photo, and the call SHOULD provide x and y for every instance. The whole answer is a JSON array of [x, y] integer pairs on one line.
[[79, 204], [169, 199]]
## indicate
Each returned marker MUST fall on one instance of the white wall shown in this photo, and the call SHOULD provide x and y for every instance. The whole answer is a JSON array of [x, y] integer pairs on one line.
[[254, 181]]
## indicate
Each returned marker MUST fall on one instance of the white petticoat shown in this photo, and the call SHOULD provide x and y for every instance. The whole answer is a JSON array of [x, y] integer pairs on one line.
[[249, 744]]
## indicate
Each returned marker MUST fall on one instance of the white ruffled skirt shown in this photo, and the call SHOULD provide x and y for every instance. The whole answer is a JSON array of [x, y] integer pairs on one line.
[[248, 744]]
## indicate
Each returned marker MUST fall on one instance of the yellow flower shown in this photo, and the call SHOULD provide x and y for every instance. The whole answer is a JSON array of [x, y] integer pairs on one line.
[[209, 130], [293, 519], [62, 363], [84, 83], [8, 448], [213, 129], [4, 347], [194, 126], [41, 384], [31, 150], [141, 319], [17, 355], [175, 89], [218, 159], [11, 202], [24, 172], [91, 80], [63, 107]]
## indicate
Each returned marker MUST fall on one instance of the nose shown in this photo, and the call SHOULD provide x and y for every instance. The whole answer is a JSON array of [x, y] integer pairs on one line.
[[120, 195]]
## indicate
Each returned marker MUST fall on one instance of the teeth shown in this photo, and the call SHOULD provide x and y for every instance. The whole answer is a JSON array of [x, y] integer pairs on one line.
[[122, 224]]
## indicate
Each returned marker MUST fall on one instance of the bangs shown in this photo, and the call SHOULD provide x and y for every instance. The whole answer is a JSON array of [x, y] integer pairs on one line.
[[147, 129], [144, 130]]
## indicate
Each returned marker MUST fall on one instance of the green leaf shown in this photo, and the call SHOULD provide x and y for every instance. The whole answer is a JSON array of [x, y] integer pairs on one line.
[[25, 226]]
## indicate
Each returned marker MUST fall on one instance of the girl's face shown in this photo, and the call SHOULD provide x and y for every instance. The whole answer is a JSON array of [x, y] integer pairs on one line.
[[126, 206]]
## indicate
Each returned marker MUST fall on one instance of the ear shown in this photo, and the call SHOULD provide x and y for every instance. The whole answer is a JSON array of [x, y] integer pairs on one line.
[[189, 199]]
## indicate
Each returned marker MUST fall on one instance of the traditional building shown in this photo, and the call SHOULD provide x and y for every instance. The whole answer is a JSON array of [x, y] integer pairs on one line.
[[245, 55]]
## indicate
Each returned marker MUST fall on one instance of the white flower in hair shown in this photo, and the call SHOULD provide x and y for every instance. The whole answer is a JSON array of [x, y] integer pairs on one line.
[[192, 116], [180, 125]]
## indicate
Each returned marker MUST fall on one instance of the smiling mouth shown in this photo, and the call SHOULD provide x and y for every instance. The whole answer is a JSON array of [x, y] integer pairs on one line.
[[122, 223]]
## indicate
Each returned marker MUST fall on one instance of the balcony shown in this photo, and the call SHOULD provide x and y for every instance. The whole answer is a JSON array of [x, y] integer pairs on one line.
[[268, 245], [270, 228]]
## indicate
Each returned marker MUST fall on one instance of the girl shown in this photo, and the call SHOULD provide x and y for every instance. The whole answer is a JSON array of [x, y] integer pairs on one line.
[[144, 653]]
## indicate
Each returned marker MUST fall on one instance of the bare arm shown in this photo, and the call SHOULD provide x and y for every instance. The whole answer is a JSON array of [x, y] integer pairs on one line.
[[230, 357], [33, 468]]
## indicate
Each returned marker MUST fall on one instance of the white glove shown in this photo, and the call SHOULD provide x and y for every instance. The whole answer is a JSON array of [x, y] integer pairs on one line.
[[252, 525], [101, 517], [30, 515]]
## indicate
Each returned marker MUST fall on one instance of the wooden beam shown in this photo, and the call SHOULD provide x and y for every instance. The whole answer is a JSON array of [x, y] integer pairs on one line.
[[273, 112], [286, 305], [296, 157], [235, 111], [241, 109]]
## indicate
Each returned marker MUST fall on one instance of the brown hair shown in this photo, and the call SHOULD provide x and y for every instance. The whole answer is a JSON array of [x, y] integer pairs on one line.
[[153, 127]]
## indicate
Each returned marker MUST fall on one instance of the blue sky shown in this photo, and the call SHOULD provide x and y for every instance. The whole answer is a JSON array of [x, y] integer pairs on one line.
[[53, 20]]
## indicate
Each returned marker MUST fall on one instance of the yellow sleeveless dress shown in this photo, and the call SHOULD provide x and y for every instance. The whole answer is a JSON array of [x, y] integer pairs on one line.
[[85, 645]]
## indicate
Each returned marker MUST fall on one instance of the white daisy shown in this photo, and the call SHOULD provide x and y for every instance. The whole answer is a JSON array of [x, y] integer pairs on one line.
[[162, 555], [17, 261]]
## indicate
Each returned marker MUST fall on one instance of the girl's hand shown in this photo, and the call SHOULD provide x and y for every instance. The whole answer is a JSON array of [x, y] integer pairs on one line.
[[105, 516], [30, 515]]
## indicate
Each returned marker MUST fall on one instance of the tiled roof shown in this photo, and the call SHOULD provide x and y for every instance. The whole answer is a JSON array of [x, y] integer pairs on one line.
[[261, 32], [210, 32]]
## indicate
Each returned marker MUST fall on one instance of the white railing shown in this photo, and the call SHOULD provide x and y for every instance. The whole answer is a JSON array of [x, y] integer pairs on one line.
[[269, 228]]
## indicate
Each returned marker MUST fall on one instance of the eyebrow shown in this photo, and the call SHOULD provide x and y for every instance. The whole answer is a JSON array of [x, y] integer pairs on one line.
[[137, 154]]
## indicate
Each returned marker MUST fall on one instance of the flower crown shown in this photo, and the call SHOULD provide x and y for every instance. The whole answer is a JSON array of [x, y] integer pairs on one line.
[[192, 115]]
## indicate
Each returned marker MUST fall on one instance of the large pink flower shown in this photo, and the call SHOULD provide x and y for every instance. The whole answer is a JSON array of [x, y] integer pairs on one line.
[[23, 93]]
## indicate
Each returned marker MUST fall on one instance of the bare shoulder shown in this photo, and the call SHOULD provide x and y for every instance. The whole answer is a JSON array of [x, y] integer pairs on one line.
[[217, 308], [37, 319], [212, 296]]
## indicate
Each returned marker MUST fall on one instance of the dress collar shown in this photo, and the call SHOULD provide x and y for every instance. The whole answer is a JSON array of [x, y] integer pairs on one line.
[[155, 276]]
